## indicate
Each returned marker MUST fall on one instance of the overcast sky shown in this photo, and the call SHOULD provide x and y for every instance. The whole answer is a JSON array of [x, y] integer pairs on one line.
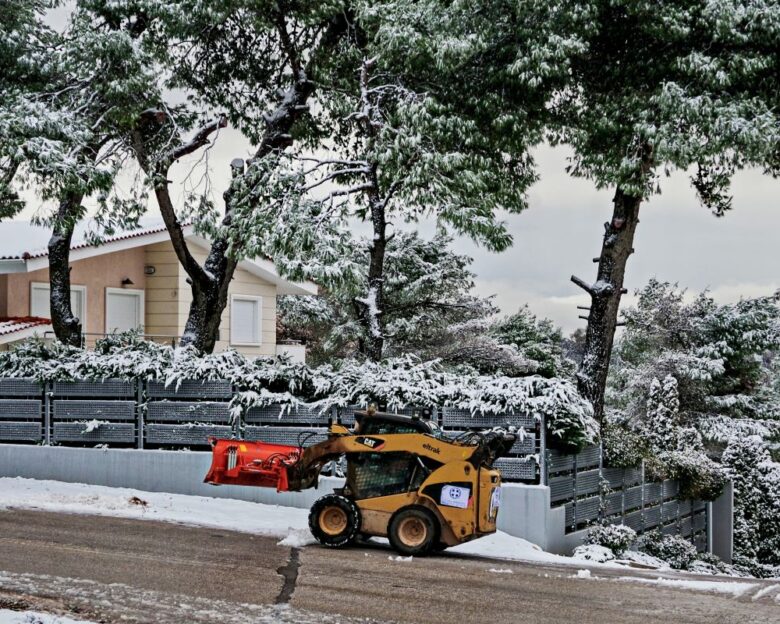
[[677, 240]]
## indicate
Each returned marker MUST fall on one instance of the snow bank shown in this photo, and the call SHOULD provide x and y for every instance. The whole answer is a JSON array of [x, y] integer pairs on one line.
[[721, 587], [34, 617]]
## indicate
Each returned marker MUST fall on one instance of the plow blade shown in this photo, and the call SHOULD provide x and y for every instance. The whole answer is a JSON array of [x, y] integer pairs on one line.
[[238, 462]]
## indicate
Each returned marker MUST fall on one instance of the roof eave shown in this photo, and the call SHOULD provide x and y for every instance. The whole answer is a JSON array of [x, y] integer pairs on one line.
[[23, 334]]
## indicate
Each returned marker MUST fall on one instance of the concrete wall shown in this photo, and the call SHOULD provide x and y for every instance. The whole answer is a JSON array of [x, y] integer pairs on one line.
[[177, 472]]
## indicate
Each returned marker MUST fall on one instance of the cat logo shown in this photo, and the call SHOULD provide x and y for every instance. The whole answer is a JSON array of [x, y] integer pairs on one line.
[[373, 443]]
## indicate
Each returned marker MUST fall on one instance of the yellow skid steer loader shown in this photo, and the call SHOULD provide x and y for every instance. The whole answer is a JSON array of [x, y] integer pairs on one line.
[[405, 480]]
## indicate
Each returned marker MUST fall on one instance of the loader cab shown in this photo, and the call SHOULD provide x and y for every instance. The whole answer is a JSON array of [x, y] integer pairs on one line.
[[371, 475], [379, 423]]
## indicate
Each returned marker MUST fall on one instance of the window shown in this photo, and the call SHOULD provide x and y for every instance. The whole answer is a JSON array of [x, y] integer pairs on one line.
[[124, 309], [246, 317], [383, 474], [40, 306]]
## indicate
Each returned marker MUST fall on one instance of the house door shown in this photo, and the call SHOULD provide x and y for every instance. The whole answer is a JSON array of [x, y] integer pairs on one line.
[[124, 309]]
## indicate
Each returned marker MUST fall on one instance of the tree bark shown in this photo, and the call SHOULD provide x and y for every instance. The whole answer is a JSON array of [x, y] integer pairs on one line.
[[66, 326], [372, 305], [605, 297]]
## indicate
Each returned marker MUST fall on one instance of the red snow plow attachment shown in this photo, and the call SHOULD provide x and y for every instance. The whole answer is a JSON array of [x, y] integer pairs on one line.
[[238, 462]]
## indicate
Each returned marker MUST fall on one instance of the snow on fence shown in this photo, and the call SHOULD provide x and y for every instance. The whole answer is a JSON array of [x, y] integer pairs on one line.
[[588, 491], [150, 414]]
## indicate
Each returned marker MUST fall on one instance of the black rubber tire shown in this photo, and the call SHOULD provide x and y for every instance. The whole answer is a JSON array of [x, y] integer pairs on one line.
[[352, 528], [439, 547], [425, 516]]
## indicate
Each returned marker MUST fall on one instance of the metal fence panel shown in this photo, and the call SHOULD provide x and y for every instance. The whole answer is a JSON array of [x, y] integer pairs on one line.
[[588, 509], [561, 488], [516, 468], [191, 389], [105, 388], [559, 462], [633, 497], [588, 482], [104, 432], [462, 418], [10, 386], [20, 409], [179, 411], [185, 435], [21, 431], [278, 413], [652, 517], [97, 410], [293, 436], [589, 457]]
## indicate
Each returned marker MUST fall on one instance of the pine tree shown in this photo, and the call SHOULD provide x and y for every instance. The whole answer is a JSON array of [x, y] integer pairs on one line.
[[255, 66], [658, 89]]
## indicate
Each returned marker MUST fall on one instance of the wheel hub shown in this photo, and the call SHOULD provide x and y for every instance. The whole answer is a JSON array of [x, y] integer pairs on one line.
[[333, 520], [413, 532]]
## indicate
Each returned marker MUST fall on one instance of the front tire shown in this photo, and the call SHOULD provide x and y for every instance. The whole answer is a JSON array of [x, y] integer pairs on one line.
[[413, 531], [334, 520]]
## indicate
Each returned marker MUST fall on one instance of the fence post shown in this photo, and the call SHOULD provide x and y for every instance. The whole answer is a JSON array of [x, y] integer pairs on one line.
[[642, 499], [544, 476], [574, 500], [47, 386], [139, 413]]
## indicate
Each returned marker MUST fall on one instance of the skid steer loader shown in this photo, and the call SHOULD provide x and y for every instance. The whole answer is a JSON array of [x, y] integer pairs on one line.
[[405, 480]]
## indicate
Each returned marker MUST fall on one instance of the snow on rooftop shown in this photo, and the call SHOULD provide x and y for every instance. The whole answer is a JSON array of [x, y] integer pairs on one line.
[[13, 324], [22, 239]]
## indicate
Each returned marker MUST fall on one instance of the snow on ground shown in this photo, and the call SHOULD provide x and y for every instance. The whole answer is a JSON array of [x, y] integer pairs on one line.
[[735, 589], [33, 617]]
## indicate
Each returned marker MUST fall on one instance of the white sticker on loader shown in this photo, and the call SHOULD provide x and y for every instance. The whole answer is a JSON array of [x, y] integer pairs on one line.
[[454, 496], [495, 502]]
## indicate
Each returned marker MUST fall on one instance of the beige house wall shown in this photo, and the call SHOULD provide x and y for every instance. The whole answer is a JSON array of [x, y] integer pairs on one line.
[[3, 295], [244, 283], [167, 293], [163, 288], [96, 274]]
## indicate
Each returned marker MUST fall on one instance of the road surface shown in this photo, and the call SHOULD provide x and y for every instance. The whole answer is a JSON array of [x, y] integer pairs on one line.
[[110, 570]]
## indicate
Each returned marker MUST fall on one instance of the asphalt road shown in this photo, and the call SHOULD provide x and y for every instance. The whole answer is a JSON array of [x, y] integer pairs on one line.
[[111, 570]]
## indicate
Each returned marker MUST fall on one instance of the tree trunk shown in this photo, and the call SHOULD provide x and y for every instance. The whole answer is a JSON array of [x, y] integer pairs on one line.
[[66, 326], [209, 299], [372, 305], [605, 297]]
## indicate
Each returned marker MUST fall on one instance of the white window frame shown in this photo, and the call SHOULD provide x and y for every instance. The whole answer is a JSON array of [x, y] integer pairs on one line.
[[259, 301], [124, 291], [82, 290]]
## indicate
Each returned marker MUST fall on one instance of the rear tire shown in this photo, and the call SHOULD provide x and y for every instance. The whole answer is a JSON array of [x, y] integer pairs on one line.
[[334, 521], [413, 531]]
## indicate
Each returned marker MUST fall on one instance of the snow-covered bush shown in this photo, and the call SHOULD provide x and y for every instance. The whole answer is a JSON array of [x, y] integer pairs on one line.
[[594, 553], [678, 552], [395, 382], [617, 537], [756, 480]]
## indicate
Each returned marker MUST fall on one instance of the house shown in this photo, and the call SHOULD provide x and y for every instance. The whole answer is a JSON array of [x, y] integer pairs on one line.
[[133, 280]]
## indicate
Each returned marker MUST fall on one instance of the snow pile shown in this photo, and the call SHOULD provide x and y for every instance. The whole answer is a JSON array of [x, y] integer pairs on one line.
[[34, 617]]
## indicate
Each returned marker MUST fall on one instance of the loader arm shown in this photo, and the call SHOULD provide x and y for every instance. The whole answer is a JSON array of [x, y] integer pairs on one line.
[[291, 468]]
